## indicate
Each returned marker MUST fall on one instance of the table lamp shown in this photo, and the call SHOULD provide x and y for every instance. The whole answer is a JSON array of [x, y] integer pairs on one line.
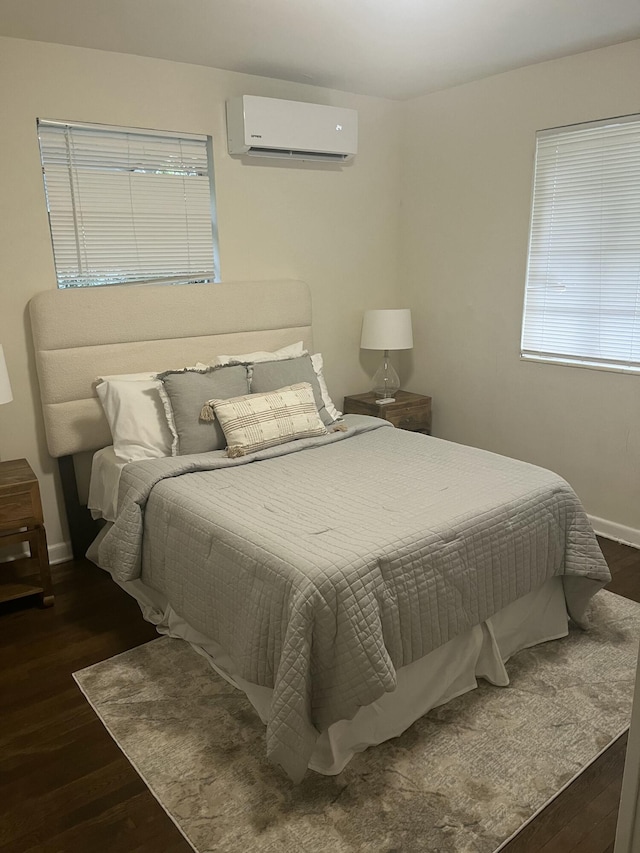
[[5, 386], [386, 329]]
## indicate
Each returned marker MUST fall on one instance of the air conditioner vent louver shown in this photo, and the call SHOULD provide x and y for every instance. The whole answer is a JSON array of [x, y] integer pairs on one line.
[[291, 130], [256, 151]]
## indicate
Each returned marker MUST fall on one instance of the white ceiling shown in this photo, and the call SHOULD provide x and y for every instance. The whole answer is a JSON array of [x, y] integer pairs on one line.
[[390, 48]]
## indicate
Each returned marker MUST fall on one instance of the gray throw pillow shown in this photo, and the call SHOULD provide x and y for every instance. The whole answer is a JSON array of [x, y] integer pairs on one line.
[[188, 391], [272, 375]]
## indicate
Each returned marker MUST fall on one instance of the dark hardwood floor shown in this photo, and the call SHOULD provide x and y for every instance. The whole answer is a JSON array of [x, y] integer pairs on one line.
[[65, 787]]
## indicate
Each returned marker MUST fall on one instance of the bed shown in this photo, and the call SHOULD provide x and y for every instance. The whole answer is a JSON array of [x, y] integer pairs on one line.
[[347, 581]]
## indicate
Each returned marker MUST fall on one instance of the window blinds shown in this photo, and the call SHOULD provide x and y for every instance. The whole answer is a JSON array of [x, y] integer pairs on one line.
[[582, 298], [128, 206]]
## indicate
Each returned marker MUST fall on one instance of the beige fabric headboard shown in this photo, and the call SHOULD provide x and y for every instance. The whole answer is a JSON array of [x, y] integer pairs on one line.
[[82, 334]]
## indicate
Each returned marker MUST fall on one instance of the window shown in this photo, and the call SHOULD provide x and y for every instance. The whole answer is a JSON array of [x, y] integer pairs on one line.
[[582, 298], [128, 205]]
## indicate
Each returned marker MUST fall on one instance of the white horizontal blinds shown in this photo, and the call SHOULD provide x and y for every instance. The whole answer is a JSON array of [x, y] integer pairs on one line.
[[582, 302], [127, 206]]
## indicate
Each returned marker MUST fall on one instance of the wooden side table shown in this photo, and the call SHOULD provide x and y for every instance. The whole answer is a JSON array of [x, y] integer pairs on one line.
[[21, 520], [409, 411]]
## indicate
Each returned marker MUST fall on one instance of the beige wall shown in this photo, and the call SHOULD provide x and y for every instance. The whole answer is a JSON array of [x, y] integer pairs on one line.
[[468, 155], [335, 228], [455, 254]]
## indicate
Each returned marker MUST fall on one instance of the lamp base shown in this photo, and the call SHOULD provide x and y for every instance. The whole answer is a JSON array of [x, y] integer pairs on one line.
[[385, 381]]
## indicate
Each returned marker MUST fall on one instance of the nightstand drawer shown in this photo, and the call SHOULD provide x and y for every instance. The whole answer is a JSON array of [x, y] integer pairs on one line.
[[410, 420], [20, 504], [18, 510]]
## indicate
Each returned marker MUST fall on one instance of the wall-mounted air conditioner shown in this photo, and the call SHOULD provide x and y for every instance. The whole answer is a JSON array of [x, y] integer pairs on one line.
[[269, 127]]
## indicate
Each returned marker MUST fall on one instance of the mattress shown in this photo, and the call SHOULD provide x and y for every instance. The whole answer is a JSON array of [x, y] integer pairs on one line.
[[324, 567]]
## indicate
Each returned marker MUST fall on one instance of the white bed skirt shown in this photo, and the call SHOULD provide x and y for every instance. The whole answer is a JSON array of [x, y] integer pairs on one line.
[[440, 676]]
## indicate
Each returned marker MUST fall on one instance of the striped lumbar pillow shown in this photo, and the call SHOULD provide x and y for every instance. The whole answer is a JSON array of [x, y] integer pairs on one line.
[[257, 421]]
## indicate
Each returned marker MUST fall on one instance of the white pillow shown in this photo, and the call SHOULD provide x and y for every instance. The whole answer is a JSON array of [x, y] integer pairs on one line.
[[291, 351], [316, 361], [128, 377], [136, 416]]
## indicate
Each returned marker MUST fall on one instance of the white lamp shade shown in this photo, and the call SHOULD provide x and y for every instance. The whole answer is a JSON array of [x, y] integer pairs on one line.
[[5, 386], [387, 329]]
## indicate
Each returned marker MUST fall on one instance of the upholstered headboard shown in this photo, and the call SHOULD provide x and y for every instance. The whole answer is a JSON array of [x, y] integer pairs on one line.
[[81, 334]]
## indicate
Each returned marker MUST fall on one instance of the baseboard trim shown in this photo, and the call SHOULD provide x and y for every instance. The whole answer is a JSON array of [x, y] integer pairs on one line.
[[617, 532], [60, 553]]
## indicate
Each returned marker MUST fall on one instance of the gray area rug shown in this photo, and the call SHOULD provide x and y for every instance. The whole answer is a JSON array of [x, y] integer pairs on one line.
[[464, 778]]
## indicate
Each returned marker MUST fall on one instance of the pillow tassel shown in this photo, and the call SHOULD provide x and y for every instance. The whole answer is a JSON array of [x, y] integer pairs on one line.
[[207, 413]]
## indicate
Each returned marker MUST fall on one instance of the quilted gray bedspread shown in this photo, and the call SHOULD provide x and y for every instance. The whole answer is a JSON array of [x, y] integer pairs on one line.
[[324, 565]]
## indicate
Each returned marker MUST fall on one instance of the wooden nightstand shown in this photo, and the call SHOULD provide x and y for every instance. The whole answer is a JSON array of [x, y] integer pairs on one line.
[[21, 521], [409, 411]]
